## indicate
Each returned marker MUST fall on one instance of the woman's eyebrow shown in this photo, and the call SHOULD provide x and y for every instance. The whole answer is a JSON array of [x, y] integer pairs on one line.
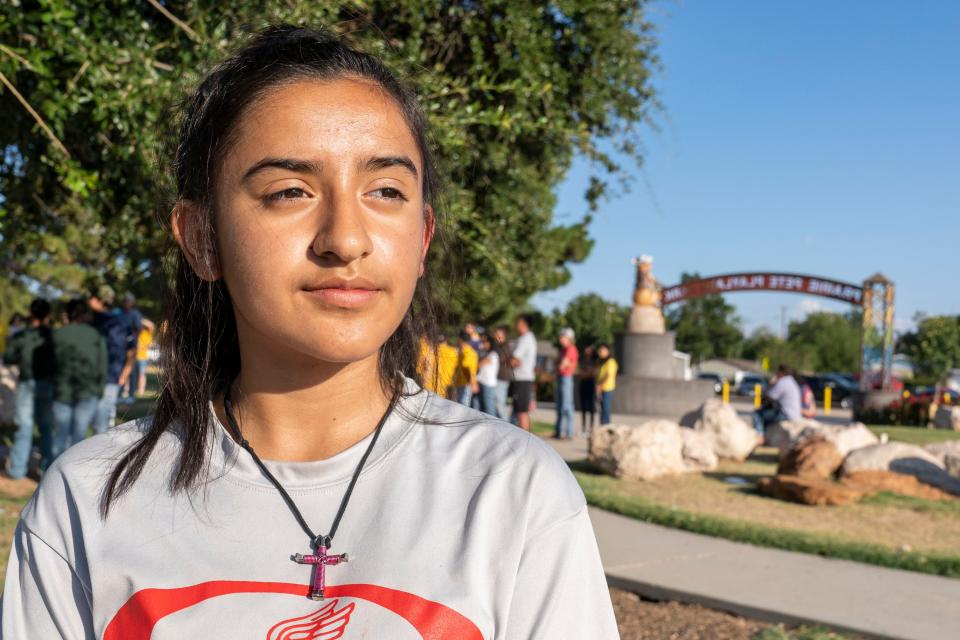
[[384, 162], [289, 164]]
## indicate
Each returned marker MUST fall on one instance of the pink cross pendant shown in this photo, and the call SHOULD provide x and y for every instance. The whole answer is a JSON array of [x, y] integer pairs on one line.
[[319, 560]]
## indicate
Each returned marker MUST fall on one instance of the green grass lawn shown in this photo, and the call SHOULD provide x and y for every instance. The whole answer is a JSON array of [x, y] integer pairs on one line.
[[885, 529], [916, 435]]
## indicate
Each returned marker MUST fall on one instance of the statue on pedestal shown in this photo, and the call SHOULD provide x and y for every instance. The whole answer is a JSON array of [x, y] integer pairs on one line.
[[646, 315]]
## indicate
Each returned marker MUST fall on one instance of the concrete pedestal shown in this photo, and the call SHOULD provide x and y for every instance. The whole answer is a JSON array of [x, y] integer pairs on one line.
[[646, 355], [659, 397], [651, 380]]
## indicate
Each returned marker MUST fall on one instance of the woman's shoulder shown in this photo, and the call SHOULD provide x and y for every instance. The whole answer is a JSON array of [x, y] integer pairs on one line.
[[72, 488], [485, 445]]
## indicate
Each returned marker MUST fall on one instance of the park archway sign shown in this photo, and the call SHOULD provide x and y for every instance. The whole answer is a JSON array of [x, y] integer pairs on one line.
[[784, 282], [875, 297]]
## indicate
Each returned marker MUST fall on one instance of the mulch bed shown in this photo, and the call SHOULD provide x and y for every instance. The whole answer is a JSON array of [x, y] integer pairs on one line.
[[641, 619]]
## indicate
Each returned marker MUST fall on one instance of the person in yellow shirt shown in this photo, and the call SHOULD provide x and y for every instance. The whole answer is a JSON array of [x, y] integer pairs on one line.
[[606, 381], [144, 340], [465, 377], [437, 365]]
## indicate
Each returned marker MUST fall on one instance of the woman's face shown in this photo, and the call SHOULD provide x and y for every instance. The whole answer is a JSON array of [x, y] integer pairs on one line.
[[321, 224]]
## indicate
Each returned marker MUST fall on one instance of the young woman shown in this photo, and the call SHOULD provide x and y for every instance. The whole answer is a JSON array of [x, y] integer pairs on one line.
[[295, 481]]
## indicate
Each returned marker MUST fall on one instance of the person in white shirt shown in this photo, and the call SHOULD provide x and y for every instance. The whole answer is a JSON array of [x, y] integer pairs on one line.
[[524, 361], [782, 401], [487, 376], [295, 480]]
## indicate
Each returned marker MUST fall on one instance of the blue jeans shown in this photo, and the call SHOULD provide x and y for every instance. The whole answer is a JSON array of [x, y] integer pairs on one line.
[[34, 402], [72, 422], [763, 417], [464, 395], [130, 390], [488, 399], [503, 390], [565, 408], [107, 408], [606, 404]]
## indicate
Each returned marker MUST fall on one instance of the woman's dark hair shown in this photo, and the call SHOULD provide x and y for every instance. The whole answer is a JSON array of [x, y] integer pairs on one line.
[[198, 341]]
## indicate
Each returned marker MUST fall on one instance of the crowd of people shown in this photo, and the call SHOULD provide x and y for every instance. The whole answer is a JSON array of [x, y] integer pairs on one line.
[[73, 371], [483, 370]]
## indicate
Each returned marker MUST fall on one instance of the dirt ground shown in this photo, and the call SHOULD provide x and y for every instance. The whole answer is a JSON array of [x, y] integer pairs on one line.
[[640, 619], [730, 492]]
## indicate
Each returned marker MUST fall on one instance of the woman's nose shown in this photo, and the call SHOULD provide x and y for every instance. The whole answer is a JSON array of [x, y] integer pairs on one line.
[[342, 235]]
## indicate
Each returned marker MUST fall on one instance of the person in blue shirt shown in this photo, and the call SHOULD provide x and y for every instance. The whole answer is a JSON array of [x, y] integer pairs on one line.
[[114, 326]]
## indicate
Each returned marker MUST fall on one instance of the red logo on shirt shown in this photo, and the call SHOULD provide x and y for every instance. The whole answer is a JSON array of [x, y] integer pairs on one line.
[[136, 619], [328, 623]]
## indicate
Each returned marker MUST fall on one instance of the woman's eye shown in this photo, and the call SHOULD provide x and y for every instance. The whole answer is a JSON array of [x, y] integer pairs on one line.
[[287, 194], [389, 193]]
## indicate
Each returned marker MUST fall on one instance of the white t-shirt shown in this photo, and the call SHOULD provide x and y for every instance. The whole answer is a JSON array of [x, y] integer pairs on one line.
[[526, 352], [786, 391], [487, 375], [463, 530]]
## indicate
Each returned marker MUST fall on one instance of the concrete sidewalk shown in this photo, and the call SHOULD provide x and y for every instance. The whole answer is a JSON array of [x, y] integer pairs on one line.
[[768, 584]]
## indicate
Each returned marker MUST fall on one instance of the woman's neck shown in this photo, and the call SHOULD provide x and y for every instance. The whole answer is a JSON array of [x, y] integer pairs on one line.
[[299, 412]]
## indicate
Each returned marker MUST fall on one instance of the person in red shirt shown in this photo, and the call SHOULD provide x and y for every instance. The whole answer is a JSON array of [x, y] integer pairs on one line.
[[566, 367]]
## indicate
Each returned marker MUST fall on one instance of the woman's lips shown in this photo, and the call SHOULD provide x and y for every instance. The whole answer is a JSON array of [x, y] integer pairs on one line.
[[343, 297]]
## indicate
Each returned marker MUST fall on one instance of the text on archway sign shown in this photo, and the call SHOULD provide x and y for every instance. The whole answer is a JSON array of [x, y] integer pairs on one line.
[[789, 282]]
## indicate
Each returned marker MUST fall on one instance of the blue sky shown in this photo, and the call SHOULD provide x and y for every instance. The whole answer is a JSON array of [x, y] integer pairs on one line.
[[817, 137]]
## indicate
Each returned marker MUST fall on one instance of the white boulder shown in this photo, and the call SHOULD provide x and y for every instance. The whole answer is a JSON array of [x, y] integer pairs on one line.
[[642, 452], [731, 436], [900, 457], [952, 462], [782, 435], [698, 454], [942, 449], [845, 437]]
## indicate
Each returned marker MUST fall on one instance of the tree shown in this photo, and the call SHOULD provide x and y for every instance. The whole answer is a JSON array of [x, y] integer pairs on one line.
[[825, 342], [934, 346], [706, 327], [593, 319], [513, 90]]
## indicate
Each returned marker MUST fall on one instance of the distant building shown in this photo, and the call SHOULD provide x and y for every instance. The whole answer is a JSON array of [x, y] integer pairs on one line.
[[732, 369]]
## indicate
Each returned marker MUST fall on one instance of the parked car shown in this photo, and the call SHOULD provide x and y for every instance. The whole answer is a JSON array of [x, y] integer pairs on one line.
[[749, 383], [715, 377], [842, 388], [929, 394]]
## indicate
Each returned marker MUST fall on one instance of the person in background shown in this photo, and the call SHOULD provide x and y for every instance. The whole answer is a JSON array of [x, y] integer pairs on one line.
[[81, 354], [475, 342], [115, 327], [588, 390], [144, 340], [489, 367], [465, 377], [31, 350], [566, 367], [808, 402], [475, 339], [135, 322], [505, 372], [782, 401], [524, 362], [17, 324], [606, 382]]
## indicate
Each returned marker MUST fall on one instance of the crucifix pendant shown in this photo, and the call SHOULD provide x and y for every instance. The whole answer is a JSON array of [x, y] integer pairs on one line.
[[319, 560]]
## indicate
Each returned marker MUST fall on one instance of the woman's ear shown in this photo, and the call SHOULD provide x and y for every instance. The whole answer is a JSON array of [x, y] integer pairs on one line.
[[187, 223], [429, 228]]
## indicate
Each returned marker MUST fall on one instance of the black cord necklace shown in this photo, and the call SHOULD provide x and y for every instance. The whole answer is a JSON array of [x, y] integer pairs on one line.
[[319, 543]]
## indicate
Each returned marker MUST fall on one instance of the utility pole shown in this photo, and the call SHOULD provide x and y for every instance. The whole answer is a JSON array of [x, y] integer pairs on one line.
[[783, 322]]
